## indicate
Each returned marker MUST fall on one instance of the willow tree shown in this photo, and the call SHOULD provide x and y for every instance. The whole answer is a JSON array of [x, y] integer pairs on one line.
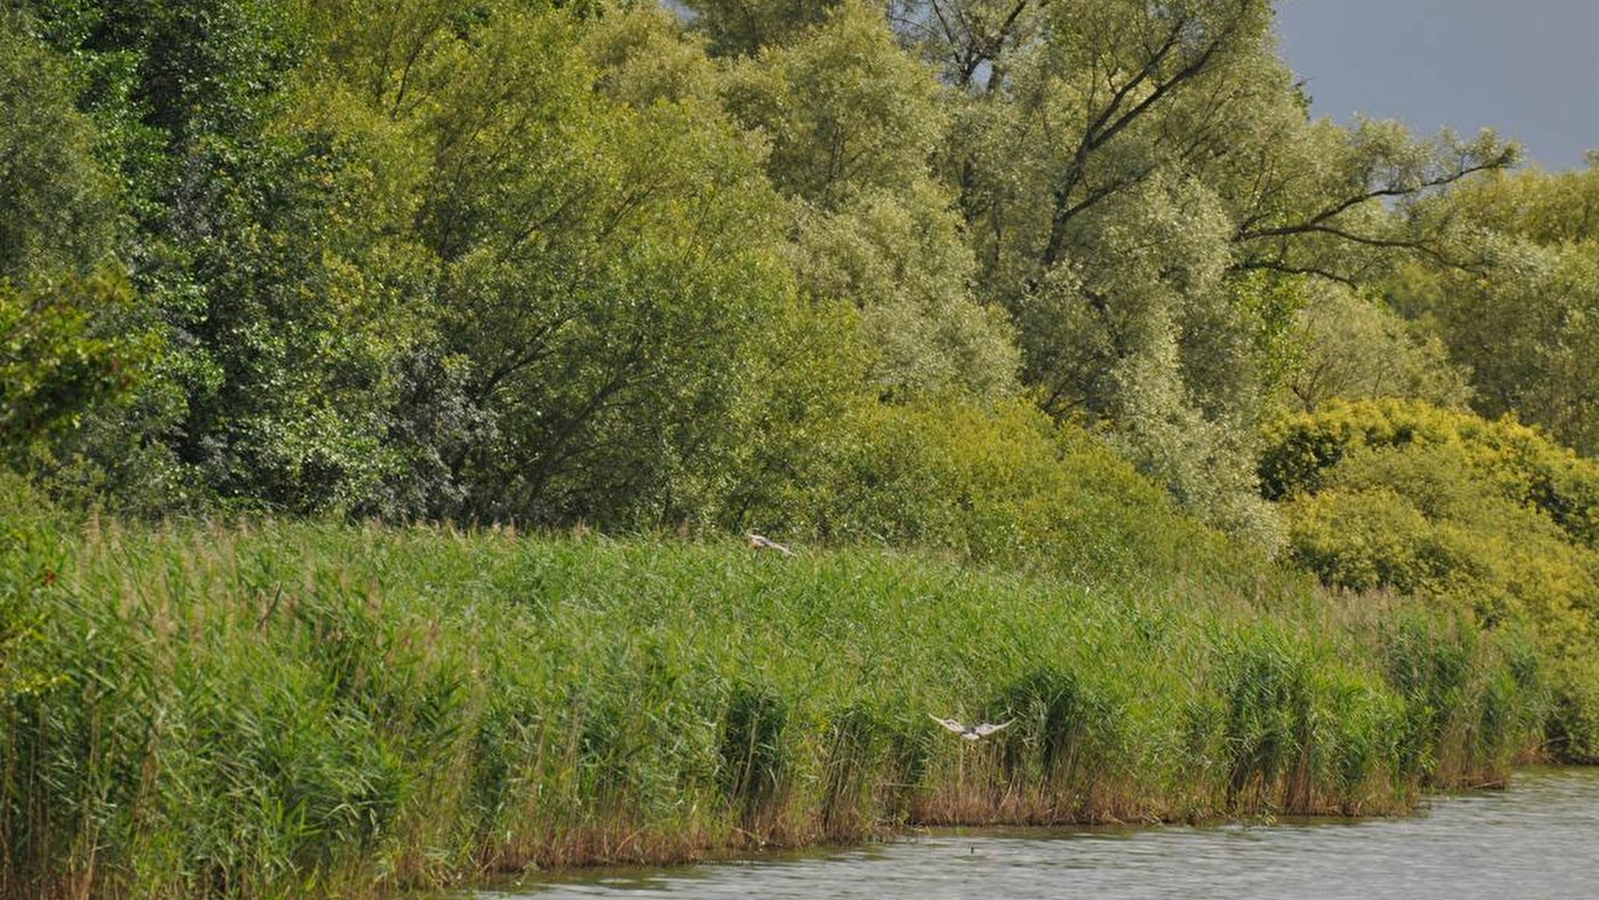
[[1146, 194], [853, 122], [1524, 316], [1352, 346]]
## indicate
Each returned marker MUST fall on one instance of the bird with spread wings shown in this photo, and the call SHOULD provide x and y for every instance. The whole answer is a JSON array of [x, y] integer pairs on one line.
[[761, 542], [970, 732]]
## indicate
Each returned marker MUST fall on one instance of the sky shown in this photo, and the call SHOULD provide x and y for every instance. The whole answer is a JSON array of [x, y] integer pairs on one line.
[[1529, 69]]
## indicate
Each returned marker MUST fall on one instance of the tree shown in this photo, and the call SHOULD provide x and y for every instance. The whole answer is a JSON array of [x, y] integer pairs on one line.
[[604, 252], [62, 295], [1353, 347], [1523, 317], [742, 27], [249, 241], [164, 77], [1141, 182], [55, 363], [853, 121], [58, 210], [902, 261]]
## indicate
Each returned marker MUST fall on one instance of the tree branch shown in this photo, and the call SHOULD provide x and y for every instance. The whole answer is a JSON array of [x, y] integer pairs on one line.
[[1112, 120], [1367, 196], [1277, 265]]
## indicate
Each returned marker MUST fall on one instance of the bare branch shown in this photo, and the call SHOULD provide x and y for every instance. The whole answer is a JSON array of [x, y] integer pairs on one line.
[[1277, 265], [1367, 196], [1113, 119]]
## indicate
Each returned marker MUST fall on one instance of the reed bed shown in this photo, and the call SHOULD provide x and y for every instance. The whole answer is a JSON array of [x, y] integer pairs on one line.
[[290, 710]]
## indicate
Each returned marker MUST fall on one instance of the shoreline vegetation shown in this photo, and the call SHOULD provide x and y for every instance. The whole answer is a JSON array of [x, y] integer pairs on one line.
[[1246, 460], [272, 709]]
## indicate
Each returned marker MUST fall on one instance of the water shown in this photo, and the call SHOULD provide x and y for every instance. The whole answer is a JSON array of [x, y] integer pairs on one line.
[[1537, 841]]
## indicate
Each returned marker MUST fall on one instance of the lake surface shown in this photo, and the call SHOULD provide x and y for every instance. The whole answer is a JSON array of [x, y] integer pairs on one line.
[[1537, 841]]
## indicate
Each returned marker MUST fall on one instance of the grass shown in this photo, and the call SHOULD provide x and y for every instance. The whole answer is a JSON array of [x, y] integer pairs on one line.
[[277, 710]]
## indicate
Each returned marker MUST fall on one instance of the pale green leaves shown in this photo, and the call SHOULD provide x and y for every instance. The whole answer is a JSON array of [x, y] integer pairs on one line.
[[853, 121], [901, 260], [1354, 347], [1524, 316]]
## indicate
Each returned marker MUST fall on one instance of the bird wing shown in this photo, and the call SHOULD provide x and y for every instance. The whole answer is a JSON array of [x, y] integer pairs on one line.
[[988, 728], [951, 724], [766, 543]]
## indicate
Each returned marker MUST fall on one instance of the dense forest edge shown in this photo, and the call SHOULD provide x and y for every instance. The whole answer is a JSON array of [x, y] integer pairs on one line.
[[387, 387]]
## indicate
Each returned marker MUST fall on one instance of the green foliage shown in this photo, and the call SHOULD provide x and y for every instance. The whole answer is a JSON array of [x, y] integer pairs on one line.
[[1355, 348], [600, 266], [56, 361], [163, 80], [853, 120], [1489, 517], [64, 306], [525, 261], [298, 323], [845, 109], [57, 208], [1267, 702], [737, 27], [1367, 540], [532, 263], [644, 57], [902, 262], [248, 251], [380, 281], [1518, 462], [1005, 486], [314, 710], [1521, 314]]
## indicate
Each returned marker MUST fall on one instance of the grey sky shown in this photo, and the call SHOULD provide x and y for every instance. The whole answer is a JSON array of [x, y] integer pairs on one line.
[[1527, 68]]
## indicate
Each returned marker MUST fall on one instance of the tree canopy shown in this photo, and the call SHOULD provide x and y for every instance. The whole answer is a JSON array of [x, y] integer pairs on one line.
[[642, 264]]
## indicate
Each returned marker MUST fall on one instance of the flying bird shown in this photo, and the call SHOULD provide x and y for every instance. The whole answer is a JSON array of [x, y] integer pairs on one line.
[[759, 542], [970, 732]]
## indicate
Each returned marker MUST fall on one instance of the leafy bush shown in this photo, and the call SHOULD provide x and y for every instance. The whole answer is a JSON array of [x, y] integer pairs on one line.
[[1487, 517], [1002, 485], [1517, 461], [1366, 540]]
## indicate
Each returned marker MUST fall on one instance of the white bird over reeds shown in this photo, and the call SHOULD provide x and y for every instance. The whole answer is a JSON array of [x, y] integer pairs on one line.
[[970, 732], [761, 542]]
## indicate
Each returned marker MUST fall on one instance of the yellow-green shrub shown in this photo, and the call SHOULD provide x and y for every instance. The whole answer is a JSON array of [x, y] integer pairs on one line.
[[1517, 461], [1490, 517], [1004, 485]]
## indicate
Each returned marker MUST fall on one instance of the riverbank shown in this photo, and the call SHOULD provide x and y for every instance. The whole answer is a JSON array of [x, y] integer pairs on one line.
[[1475, 846], [275, 709]]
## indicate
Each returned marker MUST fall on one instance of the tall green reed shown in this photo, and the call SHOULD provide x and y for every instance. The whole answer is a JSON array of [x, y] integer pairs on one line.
[[274, 710]]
